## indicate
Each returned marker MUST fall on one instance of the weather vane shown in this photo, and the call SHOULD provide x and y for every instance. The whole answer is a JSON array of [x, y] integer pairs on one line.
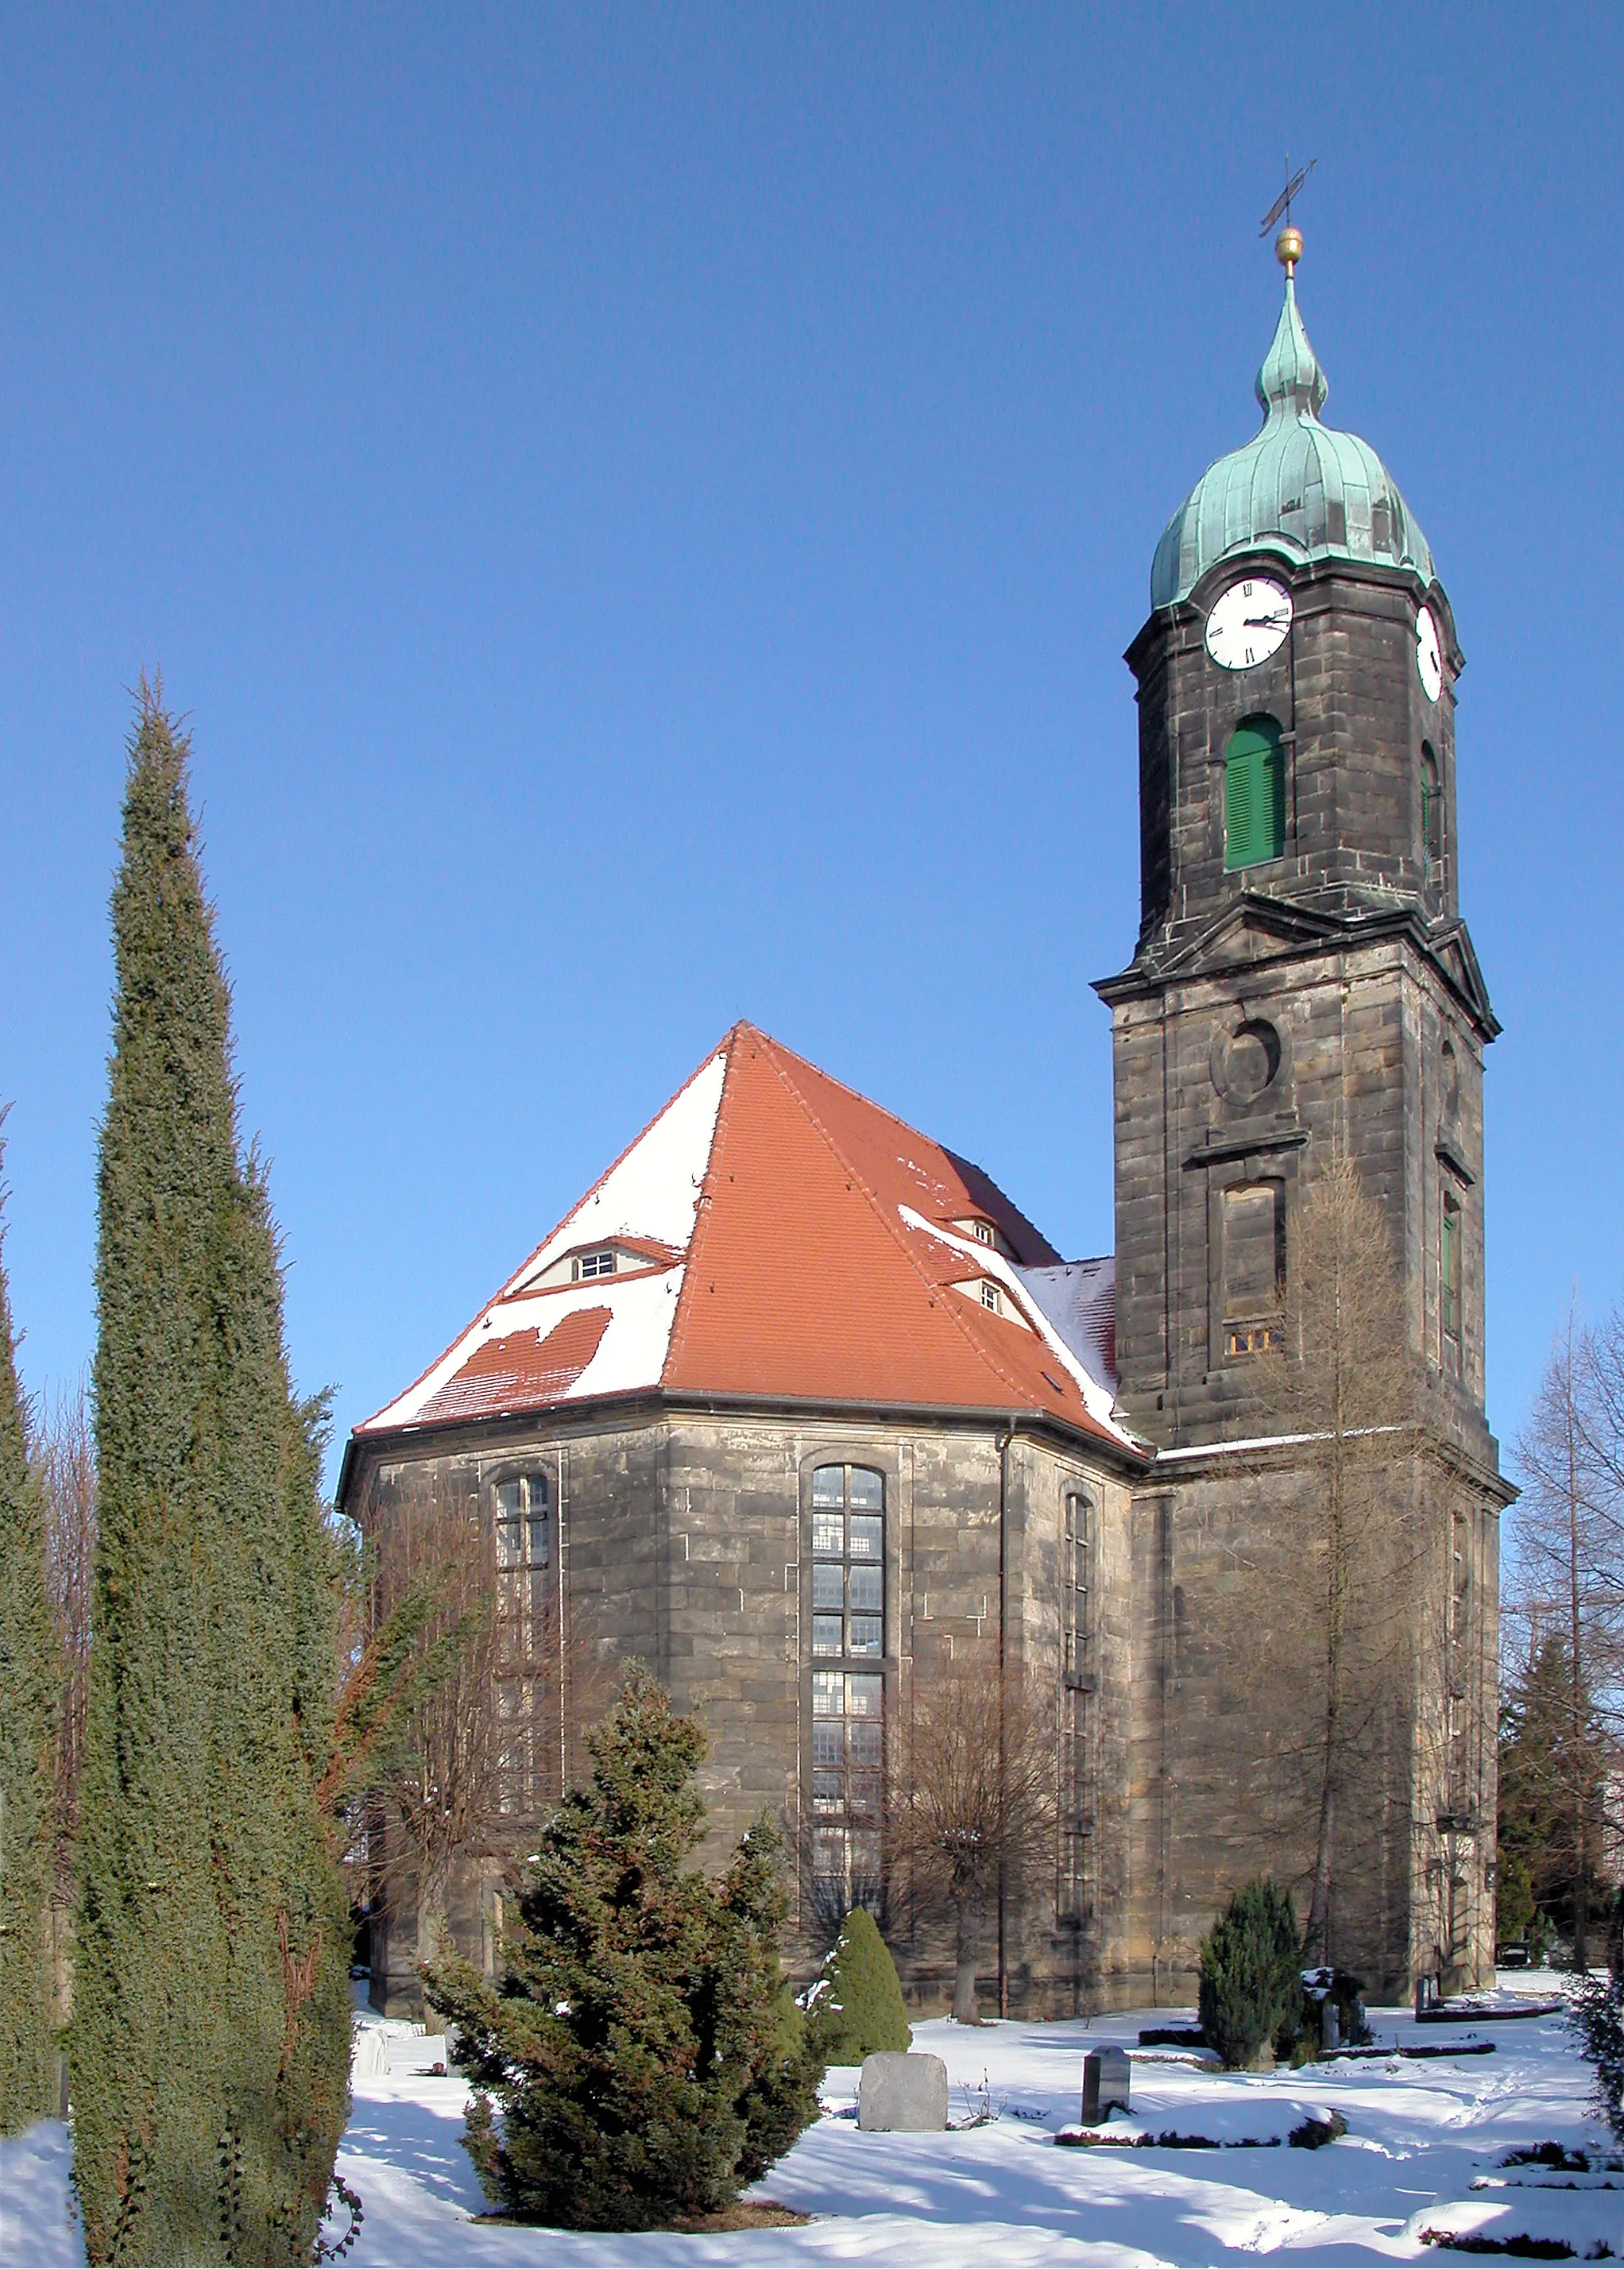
[[1289, 243]]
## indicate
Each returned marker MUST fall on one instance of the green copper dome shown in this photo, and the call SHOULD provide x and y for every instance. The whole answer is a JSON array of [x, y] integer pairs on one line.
[[1299, 488]]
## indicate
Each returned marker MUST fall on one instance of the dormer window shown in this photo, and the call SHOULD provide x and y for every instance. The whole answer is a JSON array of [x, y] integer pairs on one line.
[[986, 1231], [595, 1264], [990, 1297]]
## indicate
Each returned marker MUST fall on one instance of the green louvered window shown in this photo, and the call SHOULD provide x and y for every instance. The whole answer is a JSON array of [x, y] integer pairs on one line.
[[1432, 807], [1254, 794]]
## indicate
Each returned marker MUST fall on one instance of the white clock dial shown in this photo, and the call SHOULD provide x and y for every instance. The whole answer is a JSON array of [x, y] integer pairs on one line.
[[1428, 660], [1248, 623]]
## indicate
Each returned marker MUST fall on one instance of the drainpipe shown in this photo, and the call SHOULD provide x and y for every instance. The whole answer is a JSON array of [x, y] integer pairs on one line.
[[1003, 1608]]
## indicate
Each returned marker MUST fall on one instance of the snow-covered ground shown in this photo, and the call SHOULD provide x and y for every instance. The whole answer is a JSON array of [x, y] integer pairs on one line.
[[1424, 2150]]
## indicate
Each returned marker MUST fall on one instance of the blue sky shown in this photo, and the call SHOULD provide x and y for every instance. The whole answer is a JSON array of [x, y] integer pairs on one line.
[[645, 508]]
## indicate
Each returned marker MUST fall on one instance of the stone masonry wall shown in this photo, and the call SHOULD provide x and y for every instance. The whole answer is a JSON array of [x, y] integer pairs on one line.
[[685, 1541]]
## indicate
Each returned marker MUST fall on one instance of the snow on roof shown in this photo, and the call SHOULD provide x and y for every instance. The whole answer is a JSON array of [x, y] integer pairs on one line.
[[1079, 1300], [800, 1245], [651, 1190], [646, 1199]]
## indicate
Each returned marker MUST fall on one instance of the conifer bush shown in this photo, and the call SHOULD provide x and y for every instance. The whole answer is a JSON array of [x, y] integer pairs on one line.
[[1252, 1985], [209, 2040], [639, 2045], [29, 1684], [856, 2006], [1596, 2016]]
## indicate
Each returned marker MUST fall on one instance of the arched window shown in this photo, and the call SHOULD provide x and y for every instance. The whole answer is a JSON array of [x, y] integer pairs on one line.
[[523, 1597], [1074, 1900], [1432, 806], [1254, 794], [848, 1686]]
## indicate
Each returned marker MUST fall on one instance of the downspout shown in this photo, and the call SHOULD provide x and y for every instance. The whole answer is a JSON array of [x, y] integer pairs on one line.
[[564, 1707], [1004, 1441]]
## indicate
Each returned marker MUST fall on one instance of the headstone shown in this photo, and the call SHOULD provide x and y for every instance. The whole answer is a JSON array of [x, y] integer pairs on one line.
[[1104, 2084], [371, 2052], [1330, 2025], [899, 2093]]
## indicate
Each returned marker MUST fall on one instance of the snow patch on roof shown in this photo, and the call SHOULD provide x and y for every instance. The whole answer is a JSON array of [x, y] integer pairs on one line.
[[653, 1189], [630, 1353], [1079, 1300], [1096, 1381]]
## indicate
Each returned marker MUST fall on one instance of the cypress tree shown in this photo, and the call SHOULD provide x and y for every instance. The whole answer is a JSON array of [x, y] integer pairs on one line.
[[29, 1684], [209, 2040]]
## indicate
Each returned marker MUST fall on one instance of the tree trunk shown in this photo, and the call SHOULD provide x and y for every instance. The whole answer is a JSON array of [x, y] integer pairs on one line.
[[968, 1917], [433, 1934]]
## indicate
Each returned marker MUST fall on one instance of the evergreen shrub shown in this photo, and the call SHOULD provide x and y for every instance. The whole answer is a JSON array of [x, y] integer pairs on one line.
[[1596, 2014], [856, 2006], [1251, 1986], [637, 2043]]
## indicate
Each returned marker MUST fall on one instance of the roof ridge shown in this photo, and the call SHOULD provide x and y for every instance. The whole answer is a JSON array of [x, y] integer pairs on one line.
[[504, 1289], [949, 1309], [956, 1158], [592, 1189], [702, 1201]]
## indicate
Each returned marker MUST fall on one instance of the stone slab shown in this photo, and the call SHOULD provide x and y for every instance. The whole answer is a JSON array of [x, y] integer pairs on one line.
[[899, 2093]]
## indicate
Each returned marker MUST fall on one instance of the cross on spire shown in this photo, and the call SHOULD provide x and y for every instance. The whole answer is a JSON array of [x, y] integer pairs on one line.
[[1289, 243]]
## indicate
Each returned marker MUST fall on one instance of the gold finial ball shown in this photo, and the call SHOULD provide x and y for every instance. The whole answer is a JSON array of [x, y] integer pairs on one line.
[[1288, 248]]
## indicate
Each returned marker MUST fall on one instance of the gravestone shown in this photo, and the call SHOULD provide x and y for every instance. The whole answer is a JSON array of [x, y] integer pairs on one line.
[[1104, 2084], [1329, 2024], [370, 2052], [899, 2093]]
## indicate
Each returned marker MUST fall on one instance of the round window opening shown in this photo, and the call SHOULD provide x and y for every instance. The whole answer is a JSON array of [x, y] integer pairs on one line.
[[1252, 1060]]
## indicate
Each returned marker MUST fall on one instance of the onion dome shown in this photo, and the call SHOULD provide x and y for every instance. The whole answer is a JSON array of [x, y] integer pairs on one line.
[[1299, 488]]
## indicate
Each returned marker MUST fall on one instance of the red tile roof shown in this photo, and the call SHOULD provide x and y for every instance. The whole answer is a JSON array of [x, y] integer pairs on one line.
[[823, 1266], [519, 1371]]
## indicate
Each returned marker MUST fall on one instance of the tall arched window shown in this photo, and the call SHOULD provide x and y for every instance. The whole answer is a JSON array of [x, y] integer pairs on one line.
[[1432, 806], [1074, 1900], [848, 1687], [524, 1559], [1254, 794]]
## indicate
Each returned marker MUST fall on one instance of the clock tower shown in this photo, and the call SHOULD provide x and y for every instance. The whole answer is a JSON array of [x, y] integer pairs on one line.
[[1302, 991]]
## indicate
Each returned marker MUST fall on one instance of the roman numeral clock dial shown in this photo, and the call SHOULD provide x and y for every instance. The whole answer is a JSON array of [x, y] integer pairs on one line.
[[1249, 623]]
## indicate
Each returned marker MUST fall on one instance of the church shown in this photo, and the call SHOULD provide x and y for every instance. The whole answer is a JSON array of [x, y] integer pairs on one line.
[[796, 1403]]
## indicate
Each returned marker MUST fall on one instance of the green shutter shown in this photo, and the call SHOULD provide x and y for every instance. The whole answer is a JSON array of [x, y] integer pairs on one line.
[[1254, 794]]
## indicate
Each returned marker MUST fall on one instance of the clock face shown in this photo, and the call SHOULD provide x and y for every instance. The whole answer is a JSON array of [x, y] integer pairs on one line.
[[1428, 660], [1248, 623]]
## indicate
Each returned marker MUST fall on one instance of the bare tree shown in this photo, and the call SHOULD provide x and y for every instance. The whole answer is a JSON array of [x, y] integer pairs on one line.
[[1348, 1518], [63, 1450], [499, 1683], [972, 1810], [1569, 1584]]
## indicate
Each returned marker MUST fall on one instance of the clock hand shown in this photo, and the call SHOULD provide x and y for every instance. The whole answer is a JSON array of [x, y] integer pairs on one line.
[[1265, 622]]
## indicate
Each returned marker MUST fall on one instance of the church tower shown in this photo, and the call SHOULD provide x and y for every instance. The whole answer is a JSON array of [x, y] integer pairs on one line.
[[1303, 989]]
